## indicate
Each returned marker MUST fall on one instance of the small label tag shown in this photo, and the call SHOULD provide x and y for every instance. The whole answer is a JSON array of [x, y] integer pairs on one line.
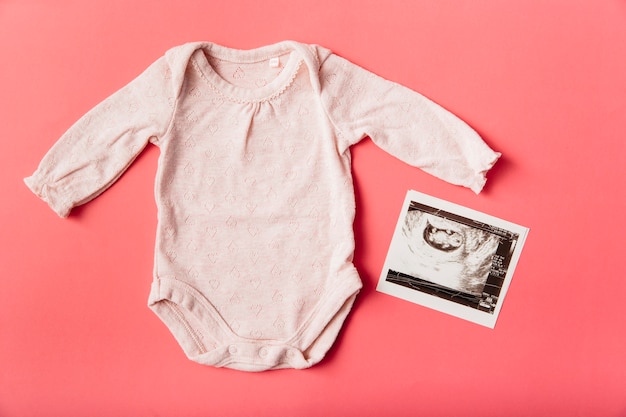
[[275, 62]]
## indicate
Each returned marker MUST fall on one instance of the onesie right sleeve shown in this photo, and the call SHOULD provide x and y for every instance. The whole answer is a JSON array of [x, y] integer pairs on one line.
[[403, 123], [99, 147]]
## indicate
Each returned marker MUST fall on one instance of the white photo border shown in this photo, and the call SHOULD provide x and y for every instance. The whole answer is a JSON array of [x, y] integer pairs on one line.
[[483, 309]]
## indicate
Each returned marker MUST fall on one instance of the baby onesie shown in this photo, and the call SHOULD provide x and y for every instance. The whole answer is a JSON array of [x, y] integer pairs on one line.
[[253, 255]]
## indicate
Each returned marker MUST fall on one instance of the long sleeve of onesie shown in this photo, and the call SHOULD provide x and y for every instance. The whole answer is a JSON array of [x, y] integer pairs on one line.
[[99, 147], [403, 123]]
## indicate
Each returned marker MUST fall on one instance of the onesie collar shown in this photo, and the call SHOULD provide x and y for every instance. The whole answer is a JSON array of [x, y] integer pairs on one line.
[[297, 53]]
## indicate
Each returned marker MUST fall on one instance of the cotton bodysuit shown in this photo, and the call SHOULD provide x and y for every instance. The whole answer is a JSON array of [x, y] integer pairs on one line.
[[253, 258]]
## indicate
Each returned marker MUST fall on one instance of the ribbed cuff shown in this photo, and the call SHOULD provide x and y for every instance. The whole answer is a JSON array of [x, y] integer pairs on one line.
[[47, 194], [481, 178]]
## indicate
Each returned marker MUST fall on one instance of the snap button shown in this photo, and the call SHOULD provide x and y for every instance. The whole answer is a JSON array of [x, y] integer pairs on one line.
[[232, 349], [263, 352]]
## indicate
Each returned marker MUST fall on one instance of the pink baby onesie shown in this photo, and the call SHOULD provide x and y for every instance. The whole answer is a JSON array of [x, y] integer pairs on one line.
[[253, 263]]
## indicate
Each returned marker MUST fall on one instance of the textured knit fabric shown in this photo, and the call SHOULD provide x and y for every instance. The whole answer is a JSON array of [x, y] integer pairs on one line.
[[253, 263]]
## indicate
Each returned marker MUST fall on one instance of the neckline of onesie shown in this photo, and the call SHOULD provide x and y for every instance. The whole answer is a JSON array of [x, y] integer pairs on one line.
[[240, 94]]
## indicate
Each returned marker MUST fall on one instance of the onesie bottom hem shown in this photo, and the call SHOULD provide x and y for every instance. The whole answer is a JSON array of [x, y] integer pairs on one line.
[[207, 339]]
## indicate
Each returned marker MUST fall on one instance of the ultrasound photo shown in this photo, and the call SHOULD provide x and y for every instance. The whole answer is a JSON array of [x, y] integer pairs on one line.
[[451, 258]]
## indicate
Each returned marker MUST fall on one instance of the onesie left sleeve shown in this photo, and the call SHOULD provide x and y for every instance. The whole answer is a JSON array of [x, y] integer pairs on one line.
[[404, 123], [98, 148]]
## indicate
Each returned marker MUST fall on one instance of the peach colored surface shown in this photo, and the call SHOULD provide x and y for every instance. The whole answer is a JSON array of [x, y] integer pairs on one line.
[[544, 82]]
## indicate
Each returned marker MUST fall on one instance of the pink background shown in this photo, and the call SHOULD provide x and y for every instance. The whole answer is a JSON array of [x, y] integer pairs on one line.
[[544, 82]]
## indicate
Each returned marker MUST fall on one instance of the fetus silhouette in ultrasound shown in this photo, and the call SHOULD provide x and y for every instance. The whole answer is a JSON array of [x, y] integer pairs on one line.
[[444, 252]]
